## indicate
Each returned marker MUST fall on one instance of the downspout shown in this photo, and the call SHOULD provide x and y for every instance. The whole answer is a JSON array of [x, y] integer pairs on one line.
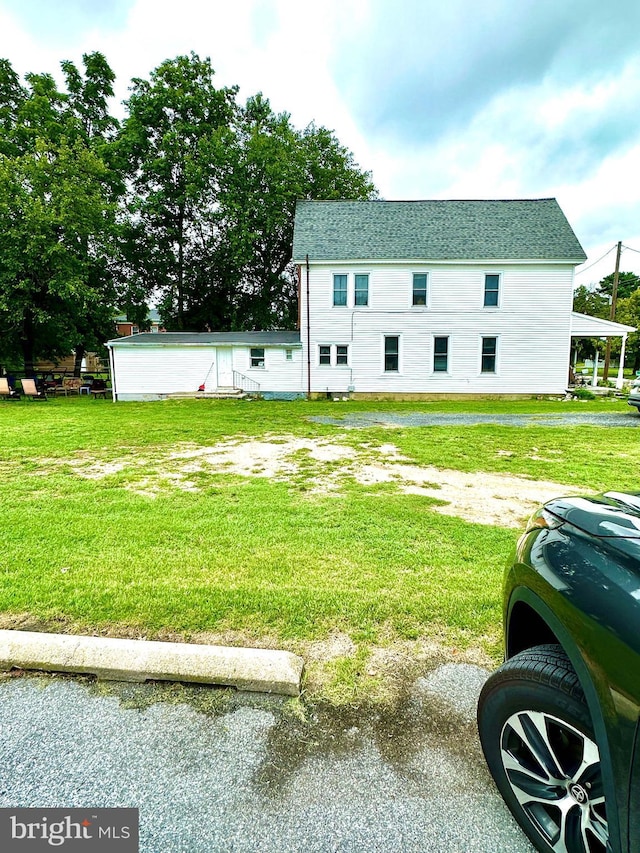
[[308, 335], [112, 365]]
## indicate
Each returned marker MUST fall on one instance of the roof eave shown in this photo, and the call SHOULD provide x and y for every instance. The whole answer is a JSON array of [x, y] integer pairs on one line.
[[446, 261]]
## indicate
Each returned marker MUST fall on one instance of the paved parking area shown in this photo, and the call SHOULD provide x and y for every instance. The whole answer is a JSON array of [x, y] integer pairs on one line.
[[218, 771]]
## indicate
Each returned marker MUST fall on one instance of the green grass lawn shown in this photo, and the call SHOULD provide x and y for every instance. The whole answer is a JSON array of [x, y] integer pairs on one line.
[[103, 531]]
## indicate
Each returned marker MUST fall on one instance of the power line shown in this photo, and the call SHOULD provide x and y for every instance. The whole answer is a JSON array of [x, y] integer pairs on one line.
[[631, 250], [598, 261]]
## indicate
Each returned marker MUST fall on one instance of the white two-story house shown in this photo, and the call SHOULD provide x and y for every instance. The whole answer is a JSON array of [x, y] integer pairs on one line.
[[420, 298], [405, 299]]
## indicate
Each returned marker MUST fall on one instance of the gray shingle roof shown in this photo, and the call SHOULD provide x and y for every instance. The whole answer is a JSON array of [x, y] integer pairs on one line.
[[516, 229], [252, 339]]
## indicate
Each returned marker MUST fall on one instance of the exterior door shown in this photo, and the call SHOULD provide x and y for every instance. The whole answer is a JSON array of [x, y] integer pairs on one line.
[[225, 367]]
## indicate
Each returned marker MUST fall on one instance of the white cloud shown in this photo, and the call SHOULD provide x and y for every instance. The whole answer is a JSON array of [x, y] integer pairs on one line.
[[576, 137]]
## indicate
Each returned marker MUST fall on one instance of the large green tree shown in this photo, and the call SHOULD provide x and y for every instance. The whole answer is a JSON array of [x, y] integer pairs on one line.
[[57, 212], [170, 147], [270, 167], [213, 187], [596, 302], [627, 283]]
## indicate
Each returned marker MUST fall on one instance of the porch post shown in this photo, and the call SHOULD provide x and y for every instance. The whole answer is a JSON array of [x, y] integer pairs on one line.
[[619, 380]]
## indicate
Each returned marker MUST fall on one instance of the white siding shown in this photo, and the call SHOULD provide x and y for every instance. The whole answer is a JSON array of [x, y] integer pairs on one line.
[[148, 372], [531, 324]]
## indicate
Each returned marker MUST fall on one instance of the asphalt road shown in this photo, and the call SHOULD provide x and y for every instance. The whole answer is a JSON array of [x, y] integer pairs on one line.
[[215, 771]]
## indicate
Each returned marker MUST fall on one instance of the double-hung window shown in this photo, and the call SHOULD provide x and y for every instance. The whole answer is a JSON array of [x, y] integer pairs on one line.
[[491, 290], [342, 354], [361, 289], [489, 355], [419, 288], [440, 354], [257, 357], [324, 354], [391, 354], [340, 289]]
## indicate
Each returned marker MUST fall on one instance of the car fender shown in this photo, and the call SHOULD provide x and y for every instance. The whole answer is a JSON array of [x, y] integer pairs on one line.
[[596, 694]]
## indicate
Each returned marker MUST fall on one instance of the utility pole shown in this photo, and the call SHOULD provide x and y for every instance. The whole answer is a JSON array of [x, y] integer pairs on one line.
[[612, 313]]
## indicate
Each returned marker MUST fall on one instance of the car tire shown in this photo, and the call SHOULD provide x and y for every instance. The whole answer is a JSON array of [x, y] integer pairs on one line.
[[538, 740]]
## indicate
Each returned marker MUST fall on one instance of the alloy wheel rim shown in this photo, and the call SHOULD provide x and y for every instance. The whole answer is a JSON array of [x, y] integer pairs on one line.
[[554, 772]]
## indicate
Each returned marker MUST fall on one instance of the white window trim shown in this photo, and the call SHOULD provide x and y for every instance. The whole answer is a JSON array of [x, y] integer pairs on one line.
[[334, 273], [320, 365], [399, 371], [264, 359], [444, 373], [427, 304], [360, 307], [484, 283], [485, 375], [348, 364], [333, 357]]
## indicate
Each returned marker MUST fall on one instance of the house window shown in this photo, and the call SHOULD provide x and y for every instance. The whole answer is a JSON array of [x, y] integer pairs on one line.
[[342, 354], [324, 356], [440, 355], [362, 289], [419, 288], [340, 289], [257, 357], [491, 290], [288, 354], [489, 350], [391, 354]]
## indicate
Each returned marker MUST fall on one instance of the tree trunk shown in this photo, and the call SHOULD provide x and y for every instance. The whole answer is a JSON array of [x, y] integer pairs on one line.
[[28, 344], [181, 268], [79, 354]]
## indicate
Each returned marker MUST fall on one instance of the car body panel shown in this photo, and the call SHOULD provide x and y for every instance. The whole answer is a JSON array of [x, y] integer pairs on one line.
[[586, 590]]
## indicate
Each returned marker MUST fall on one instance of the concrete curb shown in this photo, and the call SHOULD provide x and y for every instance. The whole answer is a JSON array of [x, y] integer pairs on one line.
[[261, 670]]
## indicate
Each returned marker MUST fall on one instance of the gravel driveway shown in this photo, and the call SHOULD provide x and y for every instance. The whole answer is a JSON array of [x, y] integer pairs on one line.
[[417, 419], [254, 777]]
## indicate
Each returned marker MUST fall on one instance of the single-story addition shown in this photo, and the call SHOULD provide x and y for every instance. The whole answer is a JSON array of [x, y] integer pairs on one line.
[[420, 299], [149, 366]]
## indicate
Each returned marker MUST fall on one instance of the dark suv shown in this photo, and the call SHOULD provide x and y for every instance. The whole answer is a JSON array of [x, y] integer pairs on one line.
[[559, 720]]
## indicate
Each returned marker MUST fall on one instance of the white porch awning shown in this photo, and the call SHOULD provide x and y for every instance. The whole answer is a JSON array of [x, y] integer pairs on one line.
[[583, 326]]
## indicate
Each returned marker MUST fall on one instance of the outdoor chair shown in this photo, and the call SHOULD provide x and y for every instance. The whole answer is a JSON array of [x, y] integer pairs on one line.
[[31, 390], [99, 389], [70, 385], [6, 391]]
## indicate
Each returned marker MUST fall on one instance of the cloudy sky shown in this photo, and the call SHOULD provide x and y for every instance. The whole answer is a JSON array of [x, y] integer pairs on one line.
[[437, 98]]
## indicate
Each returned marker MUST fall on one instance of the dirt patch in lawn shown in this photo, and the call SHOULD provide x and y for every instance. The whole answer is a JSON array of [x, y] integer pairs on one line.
[[322, 467]]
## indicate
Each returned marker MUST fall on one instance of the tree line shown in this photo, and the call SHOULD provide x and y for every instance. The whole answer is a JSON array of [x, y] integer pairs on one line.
[[188, 200], [596, 301]]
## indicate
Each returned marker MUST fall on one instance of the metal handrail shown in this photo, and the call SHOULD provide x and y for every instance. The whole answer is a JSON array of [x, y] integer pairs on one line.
[[245, 383]]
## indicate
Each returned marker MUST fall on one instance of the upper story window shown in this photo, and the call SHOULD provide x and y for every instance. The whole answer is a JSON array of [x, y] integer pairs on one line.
[[288, 354], [257, 357], [440, 354], [419, 288], [340, 289], [489, 355], [361, 289], [391, 354], [491, 290]]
